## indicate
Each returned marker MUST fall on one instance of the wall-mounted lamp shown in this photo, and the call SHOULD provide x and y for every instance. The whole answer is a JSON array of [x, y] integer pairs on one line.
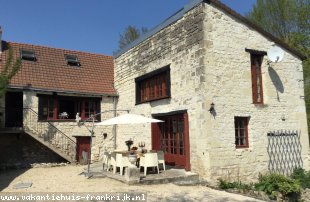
[[212, 110], [105, 135], [283, 117]]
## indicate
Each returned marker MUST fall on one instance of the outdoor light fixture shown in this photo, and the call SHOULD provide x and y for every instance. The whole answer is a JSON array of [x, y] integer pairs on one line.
[[212, 109], [92, 118]]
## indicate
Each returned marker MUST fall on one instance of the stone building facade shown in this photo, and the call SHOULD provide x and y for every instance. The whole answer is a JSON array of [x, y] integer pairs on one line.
[[206, 48], [43, 98]]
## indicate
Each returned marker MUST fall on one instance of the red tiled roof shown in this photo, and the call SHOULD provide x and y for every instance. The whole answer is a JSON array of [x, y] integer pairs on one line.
[[51, 72]]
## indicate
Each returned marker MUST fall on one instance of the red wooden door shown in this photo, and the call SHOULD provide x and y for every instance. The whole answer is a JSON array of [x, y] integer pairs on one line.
[[83, 149], [172, 137]]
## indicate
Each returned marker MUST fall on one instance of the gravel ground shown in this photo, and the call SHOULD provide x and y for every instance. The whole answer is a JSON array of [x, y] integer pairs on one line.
[[68, 179]]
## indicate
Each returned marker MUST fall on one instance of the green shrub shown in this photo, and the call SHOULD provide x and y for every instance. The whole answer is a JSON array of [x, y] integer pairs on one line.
[[273, 183], [302, 176], [233, 185]]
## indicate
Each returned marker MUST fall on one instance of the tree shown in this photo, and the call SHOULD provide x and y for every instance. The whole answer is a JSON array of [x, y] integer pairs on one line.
[[288, 20], [130, 34], [8, 71]]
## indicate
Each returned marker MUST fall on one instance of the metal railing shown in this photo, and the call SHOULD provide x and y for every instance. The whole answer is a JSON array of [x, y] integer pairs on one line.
[[48, 133]]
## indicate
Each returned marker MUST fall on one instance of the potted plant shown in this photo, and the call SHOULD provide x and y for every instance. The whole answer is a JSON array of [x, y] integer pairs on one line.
[[132, 157], [129, 143]]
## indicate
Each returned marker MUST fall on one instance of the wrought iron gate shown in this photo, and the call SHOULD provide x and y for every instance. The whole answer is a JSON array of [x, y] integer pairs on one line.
[[284, 151]]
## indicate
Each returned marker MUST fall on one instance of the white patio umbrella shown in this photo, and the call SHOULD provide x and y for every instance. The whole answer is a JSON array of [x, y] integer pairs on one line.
[[127, 119]]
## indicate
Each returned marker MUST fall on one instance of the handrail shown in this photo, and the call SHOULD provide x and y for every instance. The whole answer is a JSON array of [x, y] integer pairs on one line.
[[49, 133], [49, 124]]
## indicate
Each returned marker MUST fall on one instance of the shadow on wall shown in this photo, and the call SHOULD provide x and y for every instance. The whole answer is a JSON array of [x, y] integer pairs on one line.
[[275, 78]]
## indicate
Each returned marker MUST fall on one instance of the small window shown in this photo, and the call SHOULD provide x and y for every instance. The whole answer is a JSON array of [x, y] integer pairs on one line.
[[241, 132], [27, 55], [72, 60], [257, 81]]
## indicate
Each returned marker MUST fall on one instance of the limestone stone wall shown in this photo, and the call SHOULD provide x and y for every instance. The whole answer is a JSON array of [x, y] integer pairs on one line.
[[206, 53], [178, 45], [228, 79], [71, 129]]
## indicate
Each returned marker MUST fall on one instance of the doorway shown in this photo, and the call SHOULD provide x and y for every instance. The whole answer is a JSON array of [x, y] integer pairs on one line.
[[172, 137], [14, 109]]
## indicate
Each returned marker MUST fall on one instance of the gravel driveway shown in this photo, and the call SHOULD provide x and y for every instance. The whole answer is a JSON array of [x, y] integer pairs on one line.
[[68, 179]]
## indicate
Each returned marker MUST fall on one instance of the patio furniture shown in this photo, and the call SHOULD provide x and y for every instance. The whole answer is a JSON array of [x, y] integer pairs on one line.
[[106, 160], [149, 160], [119, 160], [161, 159]]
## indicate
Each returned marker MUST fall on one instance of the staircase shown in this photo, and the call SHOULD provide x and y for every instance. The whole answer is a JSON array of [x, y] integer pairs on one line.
[[47, 134]]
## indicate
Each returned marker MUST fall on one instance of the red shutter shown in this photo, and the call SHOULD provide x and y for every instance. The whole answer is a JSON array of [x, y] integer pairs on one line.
[[155, 136]]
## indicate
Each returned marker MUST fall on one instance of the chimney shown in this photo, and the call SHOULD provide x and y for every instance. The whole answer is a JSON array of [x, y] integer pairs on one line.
[[0, 40]]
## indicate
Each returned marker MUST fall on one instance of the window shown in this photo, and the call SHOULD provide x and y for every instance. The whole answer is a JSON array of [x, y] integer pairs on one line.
[[257, 83], [51, 107], [72, 60], [241, 132], [153, 86], [27, 55]]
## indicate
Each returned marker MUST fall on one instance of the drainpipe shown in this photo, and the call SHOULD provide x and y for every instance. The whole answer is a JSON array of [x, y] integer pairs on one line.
[[114, 126]]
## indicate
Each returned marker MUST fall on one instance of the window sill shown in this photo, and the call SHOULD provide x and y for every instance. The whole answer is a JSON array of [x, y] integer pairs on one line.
[[65, 120], [260, 105], [242, 147], [151, 100]]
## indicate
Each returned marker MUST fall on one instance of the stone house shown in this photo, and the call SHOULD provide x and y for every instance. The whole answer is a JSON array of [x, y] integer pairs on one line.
[[229, 113], [43, 98]]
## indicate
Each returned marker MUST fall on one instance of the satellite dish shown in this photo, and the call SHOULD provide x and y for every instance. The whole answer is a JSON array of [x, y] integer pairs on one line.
[[275, 54]]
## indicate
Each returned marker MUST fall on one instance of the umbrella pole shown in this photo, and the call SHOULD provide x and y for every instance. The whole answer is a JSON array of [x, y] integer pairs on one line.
[[78, 119], [89, 174]]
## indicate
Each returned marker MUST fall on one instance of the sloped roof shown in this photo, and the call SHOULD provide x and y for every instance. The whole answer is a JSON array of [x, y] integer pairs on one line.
[[50, 71], [217, 4]]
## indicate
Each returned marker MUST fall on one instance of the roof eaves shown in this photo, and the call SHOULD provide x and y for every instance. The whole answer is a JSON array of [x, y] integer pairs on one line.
[[249, 23], [170, 20], [64, 92]]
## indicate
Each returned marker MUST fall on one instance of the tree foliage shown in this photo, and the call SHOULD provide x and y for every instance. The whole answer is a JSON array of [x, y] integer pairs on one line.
[[8, 71], [288, 20], [130, 34]]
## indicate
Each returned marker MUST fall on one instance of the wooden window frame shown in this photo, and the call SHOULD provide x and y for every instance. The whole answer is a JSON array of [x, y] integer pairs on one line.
[[153, 86], [257, 81], [245, 121], [80, 107]]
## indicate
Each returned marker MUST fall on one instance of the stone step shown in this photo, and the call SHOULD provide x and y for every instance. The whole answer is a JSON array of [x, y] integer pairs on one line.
[[176, 176], [69, 157]]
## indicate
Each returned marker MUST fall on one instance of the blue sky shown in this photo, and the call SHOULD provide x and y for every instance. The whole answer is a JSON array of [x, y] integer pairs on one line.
[[91, 26]]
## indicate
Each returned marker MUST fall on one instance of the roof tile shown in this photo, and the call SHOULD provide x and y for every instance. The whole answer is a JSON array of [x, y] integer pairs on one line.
[[51, 72]]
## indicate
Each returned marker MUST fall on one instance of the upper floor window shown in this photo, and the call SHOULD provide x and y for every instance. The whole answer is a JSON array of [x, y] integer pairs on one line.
[[65, 107], [241, 132], [257, 82], [27, 55], [72, 60], [153, 86]]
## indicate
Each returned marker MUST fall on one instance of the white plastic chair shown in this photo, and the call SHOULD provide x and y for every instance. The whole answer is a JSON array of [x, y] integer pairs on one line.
[[119, 160], [149, 160], [161, 159], [106, 160]]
